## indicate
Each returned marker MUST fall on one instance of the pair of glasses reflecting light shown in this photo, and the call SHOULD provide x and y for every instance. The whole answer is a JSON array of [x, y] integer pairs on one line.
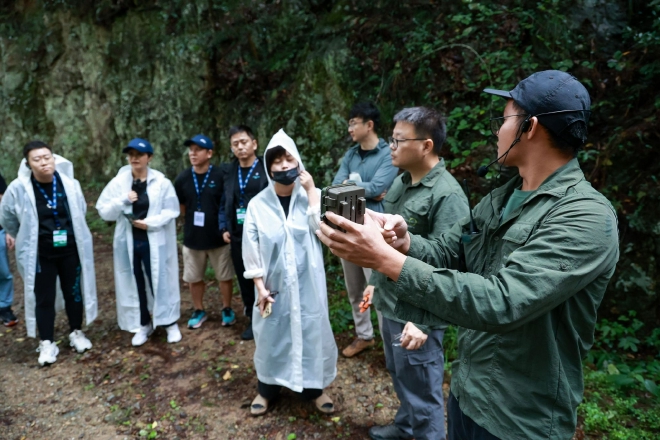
[[395, 142]]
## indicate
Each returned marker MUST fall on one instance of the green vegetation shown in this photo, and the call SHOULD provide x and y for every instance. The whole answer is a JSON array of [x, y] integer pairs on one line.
[[88, 75]]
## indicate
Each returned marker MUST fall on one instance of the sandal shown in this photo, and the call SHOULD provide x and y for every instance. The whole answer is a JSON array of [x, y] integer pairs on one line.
[[324, 404], [259, 406]]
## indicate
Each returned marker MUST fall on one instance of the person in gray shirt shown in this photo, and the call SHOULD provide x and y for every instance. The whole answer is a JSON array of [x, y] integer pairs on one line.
[[367, 164]]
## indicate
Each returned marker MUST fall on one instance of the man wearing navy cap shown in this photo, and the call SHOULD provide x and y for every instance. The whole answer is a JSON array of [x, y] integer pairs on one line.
[[522, 279], [199, 190]]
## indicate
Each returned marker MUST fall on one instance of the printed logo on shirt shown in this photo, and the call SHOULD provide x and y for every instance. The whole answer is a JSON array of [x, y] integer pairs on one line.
[[412, 221], [212, 184], [256, 175]]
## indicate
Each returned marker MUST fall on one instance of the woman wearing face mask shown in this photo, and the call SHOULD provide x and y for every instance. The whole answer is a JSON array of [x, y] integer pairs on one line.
[[143, 203], [295, 347], [44, 208]]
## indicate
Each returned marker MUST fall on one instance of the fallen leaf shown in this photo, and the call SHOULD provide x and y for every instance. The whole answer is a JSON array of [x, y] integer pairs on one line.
[[234, 366], [204, 385], [336, 419], [20, 339], [227, 375], [154, 424]]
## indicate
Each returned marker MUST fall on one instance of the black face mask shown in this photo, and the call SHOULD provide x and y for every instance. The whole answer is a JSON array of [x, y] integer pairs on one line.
[[286, 177]]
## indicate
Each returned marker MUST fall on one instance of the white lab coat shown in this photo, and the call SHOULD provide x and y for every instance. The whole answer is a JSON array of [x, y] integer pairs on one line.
[[161, 230], [18, 215], [295, 346]]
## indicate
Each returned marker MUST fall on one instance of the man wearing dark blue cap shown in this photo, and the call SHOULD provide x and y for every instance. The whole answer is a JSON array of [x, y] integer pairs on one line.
[[522, 277], [200, 190]]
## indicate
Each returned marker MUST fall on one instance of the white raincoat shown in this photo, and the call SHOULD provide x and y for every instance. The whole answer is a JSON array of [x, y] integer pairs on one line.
[[295, 346], [161, 230], [18, 215]]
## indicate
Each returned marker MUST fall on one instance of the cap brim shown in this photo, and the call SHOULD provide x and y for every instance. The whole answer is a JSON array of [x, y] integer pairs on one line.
[[188, 142], [125, 150], [502, 93]]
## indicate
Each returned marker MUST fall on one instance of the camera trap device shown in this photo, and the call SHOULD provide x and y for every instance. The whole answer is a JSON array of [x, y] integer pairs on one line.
[[346, 200]]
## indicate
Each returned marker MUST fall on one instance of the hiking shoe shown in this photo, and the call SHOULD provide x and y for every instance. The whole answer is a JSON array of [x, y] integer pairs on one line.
[[197, 319], [79, 341], [228, 317], [324, 404], [7, 317], [358, 346], [388, 432], [48, 352], [247, 335], [173, 333], [142, 335]]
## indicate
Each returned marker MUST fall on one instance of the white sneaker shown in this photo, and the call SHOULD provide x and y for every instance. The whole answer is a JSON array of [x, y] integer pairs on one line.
[[142, 335], [79, 341], [173, 333], [48, 352]]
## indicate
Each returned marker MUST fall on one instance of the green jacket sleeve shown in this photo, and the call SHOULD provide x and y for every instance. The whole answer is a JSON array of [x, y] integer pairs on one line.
[[576, 243]]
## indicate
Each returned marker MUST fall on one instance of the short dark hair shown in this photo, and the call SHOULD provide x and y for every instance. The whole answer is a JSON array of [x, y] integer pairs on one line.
[[368, 112], [569, 140], [235, 129], [428, 123], [272, 154], [34, 145]]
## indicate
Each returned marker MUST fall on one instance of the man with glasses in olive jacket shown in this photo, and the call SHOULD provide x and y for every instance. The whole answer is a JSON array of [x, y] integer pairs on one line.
[[523, 280]]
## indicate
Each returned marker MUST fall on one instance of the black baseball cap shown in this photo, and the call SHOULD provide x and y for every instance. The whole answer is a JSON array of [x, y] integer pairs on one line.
[[557, 99]]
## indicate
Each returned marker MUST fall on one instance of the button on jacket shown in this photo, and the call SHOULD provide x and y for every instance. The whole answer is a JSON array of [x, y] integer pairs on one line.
[[526, 301], [430, 207], [376, 171]]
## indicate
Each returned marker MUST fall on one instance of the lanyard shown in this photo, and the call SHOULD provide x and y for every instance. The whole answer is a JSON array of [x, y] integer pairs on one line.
[[197, 189], [52, 204], [242, 184]]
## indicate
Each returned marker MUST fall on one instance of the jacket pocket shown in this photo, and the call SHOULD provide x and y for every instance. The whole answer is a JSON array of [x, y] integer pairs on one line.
[[515, 237]]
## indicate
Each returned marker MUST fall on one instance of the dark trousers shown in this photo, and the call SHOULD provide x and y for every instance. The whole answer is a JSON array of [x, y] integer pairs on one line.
[[246, 286], [417, 376], [269, 392], [142, 257], [461, 427], [67, 268]]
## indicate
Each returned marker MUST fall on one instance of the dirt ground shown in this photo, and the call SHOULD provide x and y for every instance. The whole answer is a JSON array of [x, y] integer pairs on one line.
[[200, 388]]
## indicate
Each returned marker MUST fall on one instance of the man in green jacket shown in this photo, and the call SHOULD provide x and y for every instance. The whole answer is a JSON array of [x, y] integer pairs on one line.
[[431, 201], [523, 280]]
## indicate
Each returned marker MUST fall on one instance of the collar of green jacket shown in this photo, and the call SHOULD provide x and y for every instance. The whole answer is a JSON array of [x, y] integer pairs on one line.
[[556, 184], [430, 178]]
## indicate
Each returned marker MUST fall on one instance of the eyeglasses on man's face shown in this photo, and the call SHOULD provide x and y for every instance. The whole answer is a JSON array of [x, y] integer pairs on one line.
[[354, 122], [394, 142], [496, 123]]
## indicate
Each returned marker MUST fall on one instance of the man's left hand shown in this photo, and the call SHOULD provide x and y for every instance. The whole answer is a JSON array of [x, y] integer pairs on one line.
[[413, 338], [363, 245]]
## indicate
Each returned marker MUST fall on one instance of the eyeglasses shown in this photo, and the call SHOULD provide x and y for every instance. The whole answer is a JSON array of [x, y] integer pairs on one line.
[[395, 141], [496, 123], [352, 124]]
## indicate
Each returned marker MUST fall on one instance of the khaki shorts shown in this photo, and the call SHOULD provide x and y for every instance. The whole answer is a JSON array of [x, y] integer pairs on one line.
[[194, 264]]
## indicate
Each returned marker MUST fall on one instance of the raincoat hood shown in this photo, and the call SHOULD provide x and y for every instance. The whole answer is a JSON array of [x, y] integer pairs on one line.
[[281, 139], [62, 166]]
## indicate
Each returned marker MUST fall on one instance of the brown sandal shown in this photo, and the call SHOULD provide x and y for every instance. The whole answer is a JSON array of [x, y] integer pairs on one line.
[[324, 404], [259, 406]]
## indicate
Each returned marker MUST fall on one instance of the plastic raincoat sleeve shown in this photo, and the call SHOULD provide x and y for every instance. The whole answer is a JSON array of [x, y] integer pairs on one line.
[[254, 267], [528, 286], [314, 216], [8, 219], [81, 198], [170, 208], [111, 203], [382, 180]]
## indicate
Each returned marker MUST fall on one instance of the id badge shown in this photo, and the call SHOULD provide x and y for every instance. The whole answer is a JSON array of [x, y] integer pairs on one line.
[[199, 219], [59, 238], [240, 215]]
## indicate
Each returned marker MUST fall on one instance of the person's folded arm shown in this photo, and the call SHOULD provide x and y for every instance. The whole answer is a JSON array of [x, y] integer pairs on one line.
[[573, 246], [169, 208], [382, 180]]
